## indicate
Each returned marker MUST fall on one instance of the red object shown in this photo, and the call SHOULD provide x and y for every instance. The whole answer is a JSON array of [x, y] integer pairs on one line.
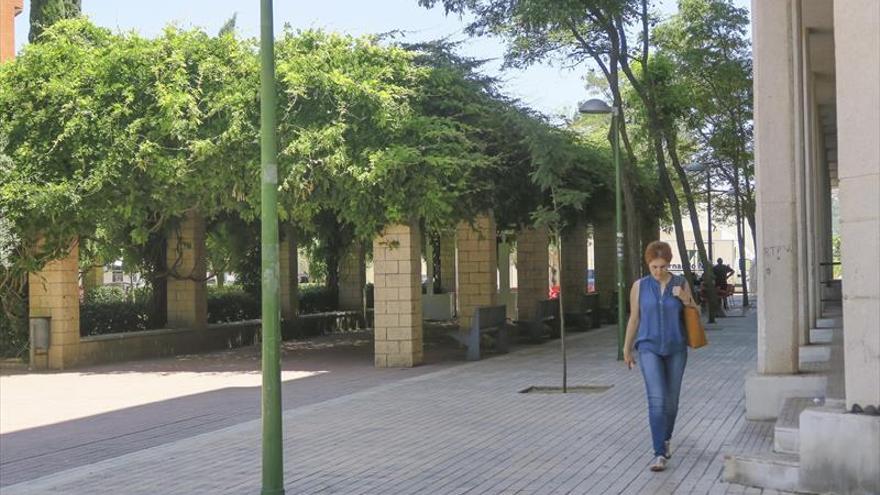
[[554, 292]]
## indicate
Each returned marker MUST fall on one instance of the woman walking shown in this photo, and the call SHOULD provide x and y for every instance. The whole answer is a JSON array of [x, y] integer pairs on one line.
[[655, 330]]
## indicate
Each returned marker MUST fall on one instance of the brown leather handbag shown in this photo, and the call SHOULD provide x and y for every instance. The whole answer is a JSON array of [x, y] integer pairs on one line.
[[696, 334], [693, 327]]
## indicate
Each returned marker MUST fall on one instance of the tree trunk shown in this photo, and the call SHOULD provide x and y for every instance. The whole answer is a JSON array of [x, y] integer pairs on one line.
[[666, 184], [740, 234], [708, 276]]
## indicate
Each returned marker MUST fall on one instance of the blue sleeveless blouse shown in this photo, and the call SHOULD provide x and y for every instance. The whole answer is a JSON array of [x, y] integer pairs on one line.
[[661, 330]]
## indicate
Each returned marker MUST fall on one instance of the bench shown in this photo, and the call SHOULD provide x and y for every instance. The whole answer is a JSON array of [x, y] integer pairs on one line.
[[487, 319], [545, 317]]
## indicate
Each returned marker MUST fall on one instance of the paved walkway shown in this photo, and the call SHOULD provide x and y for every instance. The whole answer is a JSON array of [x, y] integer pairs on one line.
[[465, 429]]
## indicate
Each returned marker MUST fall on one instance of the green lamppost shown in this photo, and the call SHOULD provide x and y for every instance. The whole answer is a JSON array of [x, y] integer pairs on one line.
[[596, 106], [273, 466]]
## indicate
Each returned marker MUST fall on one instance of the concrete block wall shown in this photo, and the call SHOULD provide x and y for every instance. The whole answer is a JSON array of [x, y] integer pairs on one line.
[[187, 287], [54, 293], [605, 258], [398, 297], [532, 267], [477, 267], [352, 278], [574, 264]]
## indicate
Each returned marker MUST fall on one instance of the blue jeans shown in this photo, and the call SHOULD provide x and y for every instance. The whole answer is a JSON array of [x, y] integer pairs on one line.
[[663, 384]]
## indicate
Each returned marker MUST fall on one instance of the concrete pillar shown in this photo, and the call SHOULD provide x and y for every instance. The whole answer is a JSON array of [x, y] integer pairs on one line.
[[397, 266], [810, 199], [532, 269], [447, 262], [54, 293], [573, 279], [776, 192], [857, 44], [289, 281], [801, 197], [477, 265], [605, 256], [8, 10], [187, 287], [93, 277], [352, 278]]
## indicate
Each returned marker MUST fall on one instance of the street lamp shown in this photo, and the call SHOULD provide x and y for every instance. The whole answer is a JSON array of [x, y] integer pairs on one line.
[[595, 106]]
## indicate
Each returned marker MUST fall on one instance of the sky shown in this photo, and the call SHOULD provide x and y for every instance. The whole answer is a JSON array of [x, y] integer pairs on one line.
[[552, 90]]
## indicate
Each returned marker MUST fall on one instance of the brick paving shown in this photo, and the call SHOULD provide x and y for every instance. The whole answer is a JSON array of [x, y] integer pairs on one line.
[[465, 429]]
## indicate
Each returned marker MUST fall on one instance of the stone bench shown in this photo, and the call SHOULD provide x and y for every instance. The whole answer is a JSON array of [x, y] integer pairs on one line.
[[486, 320], [544, 320]]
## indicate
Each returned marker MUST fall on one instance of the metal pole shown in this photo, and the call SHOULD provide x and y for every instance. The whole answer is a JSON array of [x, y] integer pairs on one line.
[[709, 212], [618, 199], [273, 466]]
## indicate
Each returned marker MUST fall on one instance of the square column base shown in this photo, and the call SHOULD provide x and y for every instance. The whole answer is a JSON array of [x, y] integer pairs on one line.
[[765, 394], [839, 452]]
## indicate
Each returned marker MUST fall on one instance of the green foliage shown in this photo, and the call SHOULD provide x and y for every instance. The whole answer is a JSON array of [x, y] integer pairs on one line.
[[44, 13], [108, 309], [231, 303], [316, 298]]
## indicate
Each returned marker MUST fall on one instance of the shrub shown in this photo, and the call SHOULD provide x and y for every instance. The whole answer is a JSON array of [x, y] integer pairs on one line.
[[109, 309], [231, 303], [14, 337], [316, 298]]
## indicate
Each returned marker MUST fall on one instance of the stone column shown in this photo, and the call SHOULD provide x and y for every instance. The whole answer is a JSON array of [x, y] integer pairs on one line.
[[810, 200], [477, 265], [397, 266], [605, 256], [857, 44], [187, 287], [447, 262], [574, 265], [93, 277], [352, 278], [532, 269], [53, 292], [289, 281], [779, 172]]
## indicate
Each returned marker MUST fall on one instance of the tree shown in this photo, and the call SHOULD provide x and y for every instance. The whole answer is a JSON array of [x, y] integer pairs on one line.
[[566, 32], [708, 46], [44, 13]]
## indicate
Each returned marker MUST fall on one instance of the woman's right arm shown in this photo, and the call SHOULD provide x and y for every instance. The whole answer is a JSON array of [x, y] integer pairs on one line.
[[632, 325]]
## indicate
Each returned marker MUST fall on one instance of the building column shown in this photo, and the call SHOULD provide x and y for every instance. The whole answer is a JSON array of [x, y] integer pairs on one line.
[[447, 263], [573, 279], [857, 43], [397, 266], [810, 197], [352, 278], [477, 265], [187, 278], [532, 269], [605, 258], [778, 156], [289, 281], [53, 293]]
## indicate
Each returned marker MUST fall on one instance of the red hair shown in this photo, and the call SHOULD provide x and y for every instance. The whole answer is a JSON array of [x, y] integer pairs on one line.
[[658, 249]]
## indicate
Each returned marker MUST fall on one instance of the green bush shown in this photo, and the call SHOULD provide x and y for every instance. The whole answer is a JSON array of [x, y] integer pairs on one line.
[[109, 309], [231, 303], [316, 298], [14, 337]]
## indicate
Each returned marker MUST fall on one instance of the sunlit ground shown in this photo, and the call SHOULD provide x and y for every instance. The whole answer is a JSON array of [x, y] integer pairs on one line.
[[31, 400]]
